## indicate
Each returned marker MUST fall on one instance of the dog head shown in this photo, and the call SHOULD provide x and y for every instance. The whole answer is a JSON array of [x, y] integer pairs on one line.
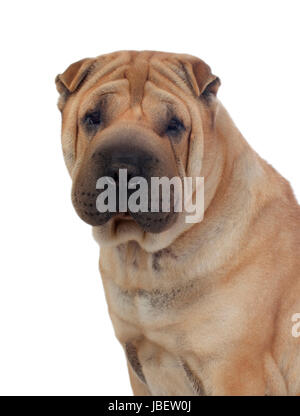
[[146, 113]]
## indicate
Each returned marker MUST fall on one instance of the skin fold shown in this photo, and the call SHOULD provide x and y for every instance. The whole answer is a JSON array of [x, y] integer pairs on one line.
[[205, 308]]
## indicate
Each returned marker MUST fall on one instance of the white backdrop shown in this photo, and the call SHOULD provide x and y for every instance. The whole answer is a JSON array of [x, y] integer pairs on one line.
[[56, 336]]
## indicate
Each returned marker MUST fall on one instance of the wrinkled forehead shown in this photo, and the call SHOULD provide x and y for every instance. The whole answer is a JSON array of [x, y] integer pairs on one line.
[[166, 77]]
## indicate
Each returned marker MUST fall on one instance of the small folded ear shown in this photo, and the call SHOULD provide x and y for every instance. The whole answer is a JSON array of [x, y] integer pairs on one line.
[[207, 83], [70, 80]]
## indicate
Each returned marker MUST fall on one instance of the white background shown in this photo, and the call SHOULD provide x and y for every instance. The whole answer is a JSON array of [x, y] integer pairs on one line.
[[56, 336]]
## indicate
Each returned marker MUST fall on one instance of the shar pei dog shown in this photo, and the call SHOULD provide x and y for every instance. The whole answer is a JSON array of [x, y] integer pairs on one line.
[[207, 307]]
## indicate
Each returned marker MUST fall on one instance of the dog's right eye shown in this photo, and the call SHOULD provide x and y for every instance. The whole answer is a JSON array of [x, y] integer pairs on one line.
[[92, 120], [174, 127]]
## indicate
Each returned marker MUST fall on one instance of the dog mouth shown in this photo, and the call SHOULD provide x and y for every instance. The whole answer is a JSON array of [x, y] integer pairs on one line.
[[122, 219], [147, 224], [85, 205], [123, 216]]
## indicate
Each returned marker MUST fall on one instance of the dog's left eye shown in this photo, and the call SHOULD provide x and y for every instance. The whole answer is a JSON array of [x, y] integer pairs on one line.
[[92, 120], [175, 126]]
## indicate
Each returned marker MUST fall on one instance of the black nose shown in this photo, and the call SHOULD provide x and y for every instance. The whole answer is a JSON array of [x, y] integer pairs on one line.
[[124, 162], [109, 160]]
